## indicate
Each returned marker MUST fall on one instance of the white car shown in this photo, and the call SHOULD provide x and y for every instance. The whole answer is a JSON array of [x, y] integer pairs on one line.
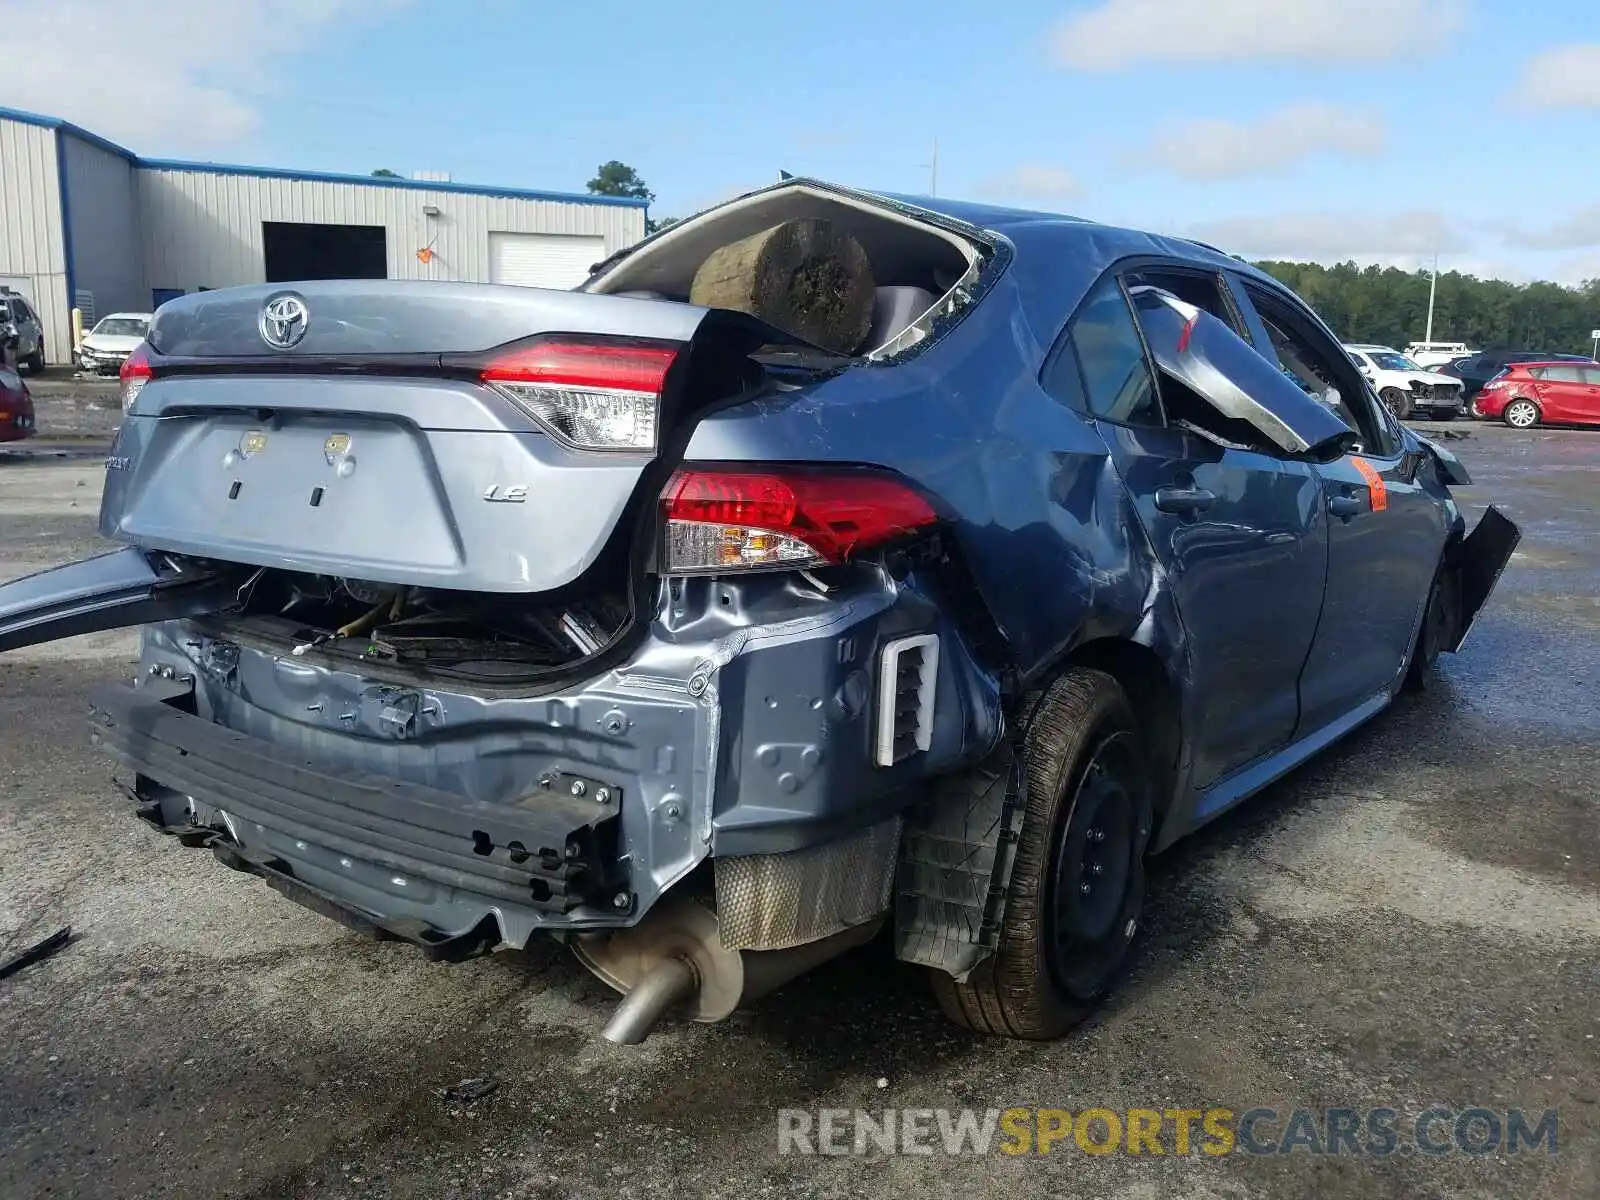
[[1406, 388], [1436, 354], [111, 340]]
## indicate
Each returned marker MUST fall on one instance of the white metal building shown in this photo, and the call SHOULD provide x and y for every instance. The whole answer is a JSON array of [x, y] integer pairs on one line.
[[86, 223]]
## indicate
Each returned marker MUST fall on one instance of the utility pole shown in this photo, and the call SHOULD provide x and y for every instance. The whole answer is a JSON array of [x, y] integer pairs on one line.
[[1433, 288]]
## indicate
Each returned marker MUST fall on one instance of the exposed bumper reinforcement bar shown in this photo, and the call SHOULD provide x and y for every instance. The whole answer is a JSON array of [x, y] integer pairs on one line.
[[554, 855]]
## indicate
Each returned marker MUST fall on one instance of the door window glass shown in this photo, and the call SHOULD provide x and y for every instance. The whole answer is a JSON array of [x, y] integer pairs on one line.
[[1117, 385], [1563, 375]]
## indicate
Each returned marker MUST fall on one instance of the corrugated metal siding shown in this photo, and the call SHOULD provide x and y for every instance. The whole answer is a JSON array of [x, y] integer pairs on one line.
[[204, 230], [30, 227], [103, 221]]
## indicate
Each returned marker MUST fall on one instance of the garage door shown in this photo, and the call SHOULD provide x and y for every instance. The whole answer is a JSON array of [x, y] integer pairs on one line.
[[550, 260]]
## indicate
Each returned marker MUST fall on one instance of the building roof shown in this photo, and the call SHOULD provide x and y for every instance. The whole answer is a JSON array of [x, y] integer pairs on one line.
[[169, 164]]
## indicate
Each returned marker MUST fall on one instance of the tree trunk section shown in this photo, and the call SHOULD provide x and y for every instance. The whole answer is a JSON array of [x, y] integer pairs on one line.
[[805, 276]]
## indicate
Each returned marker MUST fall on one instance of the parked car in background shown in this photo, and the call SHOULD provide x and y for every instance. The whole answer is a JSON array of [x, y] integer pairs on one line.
[[1403, 386], [659, 628], [1477, 369], [16, 407], [1530, 393], [17, 312], [107, 346], [1432, 354]]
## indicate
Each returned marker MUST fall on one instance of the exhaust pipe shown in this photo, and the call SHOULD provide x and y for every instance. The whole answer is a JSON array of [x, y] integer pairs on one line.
[[671, 980], [675, 957]]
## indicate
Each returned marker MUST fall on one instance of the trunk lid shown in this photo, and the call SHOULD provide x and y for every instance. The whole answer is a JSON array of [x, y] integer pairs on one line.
[[344, 428]]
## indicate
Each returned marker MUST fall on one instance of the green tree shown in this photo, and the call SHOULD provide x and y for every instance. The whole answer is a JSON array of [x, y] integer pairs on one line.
[[619, 179], [385, 173], [1390, 306], [651, 225]]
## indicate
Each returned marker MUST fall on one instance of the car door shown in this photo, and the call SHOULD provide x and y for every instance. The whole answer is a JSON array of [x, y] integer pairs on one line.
[[28, 328], [1587, 408], [1385, 532], [1564, 393], [1237, 529]]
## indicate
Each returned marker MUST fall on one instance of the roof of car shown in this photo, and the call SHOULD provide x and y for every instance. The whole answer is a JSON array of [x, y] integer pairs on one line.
[[127, 316], [1370, 347]]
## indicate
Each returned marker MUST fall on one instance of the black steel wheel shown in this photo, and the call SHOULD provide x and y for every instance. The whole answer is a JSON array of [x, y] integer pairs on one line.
[[1077, 884], [1438, 625]]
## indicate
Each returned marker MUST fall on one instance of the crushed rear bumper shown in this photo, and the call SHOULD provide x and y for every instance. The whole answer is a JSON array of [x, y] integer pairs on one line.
[[382, 854], [458, 820]]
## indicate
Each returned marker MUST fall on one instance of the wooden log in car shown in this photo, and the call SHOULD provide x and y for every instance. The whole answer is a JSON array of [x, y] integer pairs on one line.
[[805, 276]]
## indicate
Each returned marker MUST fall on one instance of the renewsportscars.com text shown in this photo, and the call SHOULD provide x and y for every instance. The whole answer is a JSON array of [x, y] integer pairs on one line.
[[1375, 1132]]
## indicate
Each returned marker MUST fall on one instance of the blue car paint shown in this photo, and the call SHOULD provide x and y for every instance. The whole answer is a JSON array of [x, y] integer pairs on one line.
[[1277, 622]]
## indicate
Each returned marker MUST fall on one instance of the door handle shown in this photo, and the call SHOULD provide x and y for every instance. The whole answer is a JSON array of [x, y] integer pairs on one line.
[[1345, 506], [1184, 499]]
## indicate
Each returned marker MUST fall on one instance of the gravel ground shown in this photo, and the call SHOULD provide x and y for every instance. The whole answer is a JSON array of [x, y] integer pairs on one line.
[[69, 407], [1412, 920]]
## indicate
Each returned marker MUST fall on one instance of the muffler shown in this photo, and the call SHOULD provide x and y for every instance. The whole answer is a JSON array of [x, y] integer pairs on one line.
[[675, 957]]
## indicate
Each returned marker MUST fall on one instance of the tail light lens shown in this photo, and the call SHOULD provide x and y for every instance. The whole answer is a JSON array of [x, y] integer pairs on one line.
[[720, 521], [136, 372], [595, 395]]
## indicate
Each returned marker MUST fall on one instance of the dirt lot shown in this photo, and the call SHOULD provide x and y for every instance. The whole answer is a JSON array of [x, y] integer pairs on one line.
[[1413, 920]]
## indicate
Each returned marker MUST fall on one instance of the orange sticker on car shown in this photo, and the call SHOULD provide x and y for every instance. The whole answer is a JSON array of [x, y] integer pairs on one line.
[[1376, 488]]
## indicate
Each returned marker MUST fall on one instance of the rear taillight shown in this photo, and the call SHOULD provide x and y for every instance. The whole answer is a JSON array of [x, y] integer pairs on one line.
[[136, 372], [719, 520], [595, 395]]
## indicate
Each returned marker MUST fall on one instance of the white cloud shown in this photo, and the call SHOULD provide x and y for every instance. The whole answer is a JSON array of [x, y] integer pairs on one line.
[[185, 71], [1578, 229], [1120, 33], [1208, 149], [1322, 236], [1032, 181], [1564, 77]]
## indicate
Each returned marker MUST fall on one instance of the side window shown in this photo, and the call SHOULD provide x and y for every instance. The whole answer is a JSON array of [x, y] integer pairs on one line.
[[1117, 385], [1564, 374], [1305, 358], [1591, 376]]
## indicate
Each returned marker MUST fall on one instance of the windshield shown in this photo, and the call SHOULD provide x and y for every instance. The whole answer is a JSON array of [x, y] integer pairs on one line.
[[1390, 361], [123, 327]]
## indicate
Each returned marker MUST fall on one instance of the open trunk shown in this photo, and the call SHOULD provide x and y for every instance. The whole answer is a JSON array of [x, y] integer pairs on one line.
[[446, 477]]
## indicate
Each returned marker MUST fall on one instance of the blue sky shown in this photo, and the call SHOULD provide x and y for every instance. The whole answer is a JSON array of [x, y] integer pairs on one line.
[[1325, 129]]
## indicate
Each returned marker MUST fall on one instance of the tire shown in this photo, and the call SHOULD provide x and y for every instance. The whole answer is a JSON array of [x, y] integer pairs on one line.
[[1397, 402], [1444, 611], [36, 362], [1085, 825], [1521, 413]]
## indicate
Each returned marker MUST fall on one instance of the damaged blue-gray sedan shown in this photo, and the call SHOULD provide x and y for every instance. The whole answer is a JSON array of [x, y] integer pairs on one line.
[[474, 613]]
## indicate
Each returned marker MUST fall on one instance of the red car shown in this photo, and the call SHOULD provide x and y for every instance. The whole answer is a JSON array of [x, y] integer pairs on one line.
[[1557, 393], [16, 407]]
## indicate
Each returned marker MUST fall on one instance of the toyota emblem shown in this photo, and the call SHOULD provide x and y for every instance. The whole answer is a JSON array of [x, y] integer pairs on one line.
[[284, 320]]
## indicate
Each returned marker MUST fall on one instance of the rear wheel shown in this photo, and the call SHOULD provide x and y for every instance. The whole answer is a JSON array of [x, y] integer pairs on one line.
[[1077, 885], [1396, 401], [36, 361], [1521, 413]]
